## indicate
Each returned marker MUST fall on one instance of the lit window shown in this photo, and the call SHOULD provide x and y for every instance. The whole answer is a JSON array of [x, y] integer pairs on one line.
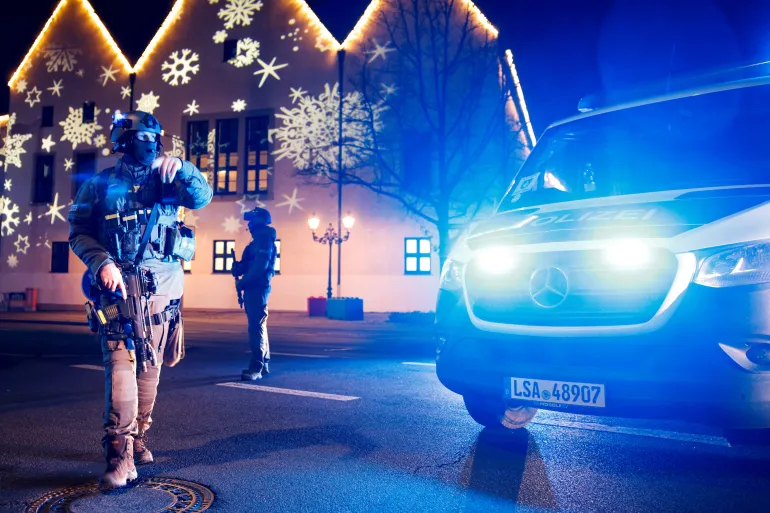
[[223, 255], [225, 179], [277, 265], [417, 255], [257, 155]]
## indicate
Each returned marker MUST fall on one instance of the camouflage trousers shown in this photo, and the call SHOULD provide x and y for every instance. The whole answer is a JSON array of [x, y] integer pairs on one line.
[[130, 395]]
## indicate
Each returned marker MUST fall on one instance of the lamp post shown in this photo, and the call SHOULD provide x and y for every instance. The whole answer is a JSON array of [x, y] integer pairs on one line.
[[331, 237]]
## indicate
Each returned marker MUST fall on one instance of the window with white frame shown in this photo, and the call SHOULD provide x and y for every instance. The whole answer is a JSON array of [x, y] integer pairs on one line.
[[417, 255], [223, 256]]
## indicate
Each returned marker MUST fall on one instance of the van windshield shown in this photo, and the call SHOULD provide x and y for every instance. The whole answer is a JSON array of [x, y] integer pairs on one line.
[[715, 139]]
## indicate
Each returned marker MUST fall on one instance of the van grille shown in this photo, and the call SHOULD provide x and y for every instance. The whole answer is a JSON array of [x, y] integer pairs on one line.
[[597, 294]]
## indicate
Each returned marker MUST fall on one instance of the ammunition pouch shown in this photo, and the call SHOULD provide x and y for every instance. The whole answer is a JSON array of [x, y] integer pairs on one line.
[[179, 242]]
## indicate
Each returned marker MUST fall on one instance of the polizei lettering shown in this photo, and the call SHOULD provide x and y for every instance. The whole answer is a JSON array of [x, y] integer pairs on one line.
[[595, 216]]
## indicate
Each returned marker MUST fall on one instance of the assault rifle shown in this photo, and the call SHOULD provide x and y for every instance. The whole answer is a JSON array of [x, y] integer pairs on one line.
[[236, 273]]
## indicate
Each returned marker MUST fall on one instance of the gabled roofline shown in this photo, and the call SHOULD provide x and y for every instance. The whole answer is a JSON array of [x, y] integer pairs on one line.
[[102, 29]]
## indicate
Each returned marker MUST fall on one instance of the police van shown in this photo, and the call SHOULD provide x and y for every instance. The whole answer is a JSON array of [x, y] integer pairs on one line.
[[626, 271]]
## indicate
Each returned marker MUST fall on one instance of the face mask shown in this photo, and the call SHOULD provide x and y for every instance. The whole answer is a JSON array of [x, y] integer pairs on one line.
[[144, 151]]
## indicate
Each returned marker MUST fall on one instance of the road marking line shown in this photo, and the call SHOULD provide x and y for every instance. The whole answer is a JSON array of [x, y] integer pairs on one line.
[[288, 391], [303, 355], [424, 364], [88, 367], [650, 433]]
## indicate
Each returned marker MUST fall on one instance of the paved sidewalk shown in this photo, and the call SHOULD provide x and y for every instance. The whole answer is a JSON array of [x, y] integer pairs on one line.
[[372, 321]]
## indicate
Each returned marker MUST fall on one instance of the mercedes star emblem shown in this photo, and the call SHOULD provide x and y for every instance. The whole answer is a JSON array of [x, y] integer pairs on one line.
[[548, 287]]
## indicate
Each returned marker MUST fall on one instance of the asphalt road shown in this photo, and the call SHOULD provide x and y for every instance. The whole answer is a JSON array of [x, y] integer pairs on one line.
[[351, 420]]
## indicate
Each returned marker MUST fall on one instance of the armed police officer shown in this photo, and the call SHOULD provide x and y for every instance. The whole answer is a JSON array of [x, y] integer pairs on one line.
[[253, 274], [123, 226]]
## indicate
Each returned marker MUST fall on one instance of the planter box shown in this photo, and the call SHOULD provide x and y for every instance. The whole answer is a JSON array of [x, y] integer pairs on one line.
[[316, 306], [345, 309]]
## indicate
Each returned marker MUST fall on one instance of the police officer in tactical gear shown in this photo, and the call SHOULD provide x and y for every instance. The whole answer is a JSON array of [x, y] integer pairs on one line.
[[253, 274], [108, 221]]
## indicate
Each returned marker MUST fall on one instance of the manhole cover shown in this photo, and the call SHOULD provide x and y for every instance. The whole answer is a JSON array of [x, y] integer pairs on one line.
[[186, 496]]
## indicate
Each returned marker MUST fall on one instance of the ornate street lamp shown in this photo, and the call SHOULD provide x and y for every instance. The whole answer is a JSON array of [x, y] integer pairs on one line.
[[331, 237]]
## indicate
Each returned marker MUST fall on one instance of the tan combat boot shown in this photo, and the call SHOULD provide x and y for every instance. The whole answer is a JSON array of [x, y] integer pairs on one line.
[[120, 464], [142, 454]]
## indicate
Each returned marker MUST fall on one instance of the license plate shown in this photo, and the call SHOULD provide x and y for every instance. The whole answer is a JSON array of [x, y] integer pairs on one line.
[[555, 392]]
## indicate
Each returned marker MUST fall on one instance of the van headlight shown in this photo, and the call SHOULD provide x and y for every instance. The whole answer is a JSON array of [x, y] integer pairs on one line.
[[451, 275], [748, 264]]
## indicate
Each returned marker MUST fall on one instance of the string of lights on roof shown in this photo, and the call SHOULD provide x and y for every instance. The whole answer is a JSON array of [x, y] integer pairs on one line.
[[355, 35], [520, 94]]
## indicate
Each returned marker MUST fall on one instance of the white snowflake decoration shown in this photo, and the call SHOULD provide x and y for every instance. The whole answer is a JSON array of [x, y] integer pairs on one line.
[[28, 219], [80, 73], [8, 216], [232, 225], [68, 164], [21, 86], [251, 199], [291, 201], [177, 149], [268, 70], [54, 210], [239, 12], [211, 141], [220, 36], [56, 88], [13, 261], [32, 101], [100, 140], [247, 50], [297, 94], [13, 147], [60, 57], [309, 132], [239, 105], [22, 248], [107, 75], [7, 186], [125, 92], [148, 102], [180, 67], [47, 143], [380, 51], [192, 108], [77, 132]]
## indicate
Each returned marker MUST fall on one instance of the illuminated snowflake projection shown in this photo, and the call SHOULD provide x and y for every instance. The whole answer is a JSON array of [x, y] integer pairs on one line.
[[239, 105], [54, 210], [13, 261], [148, 102], [22, 244], [61, 57], [309, 131], [294, 35], [8, 216], [211, 141], [247, 51], [177, 148], [7, 186], [291, 201], [220, 36], [232, 225], [77, 132], [192, 108], [180, 67], [100, 140], [13, 145], [125, 92], [21, 86], [107, 75], [239, 12]]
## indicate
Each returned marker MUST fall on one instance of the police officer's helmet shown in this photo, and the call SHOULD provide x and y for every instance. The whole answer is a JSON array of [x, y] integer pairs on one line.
[[258, 216], [124, 126]]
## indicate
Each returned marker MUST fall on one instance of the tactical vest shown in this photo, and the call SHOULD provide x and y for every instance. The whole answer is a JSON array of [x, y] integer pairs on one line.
[[127, 211]]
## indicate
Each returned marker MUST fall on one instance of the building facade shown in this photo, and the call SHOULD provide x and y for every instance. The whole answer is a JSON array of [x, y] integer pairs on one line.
[[240, 87]]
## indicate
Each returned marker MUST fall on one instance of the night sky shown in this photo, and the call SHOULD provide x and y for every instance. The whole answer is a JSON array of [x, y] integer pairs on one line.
[[564, 49]]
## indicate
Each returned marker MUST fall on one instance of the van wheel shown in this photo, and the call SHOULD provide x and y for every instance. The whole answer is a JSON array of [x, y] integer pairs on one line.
[[751, 437], [494, 413]]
